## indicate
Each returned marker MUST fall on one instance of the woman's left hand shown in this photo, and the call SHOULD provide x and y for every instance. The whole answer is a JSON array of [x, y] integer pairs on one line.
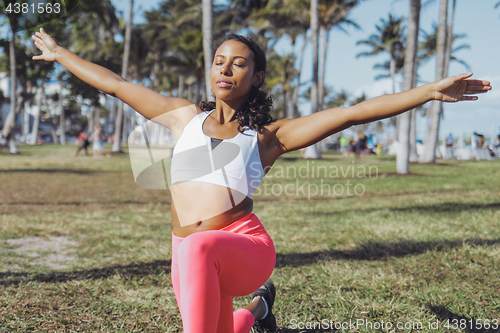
[[459, 88]]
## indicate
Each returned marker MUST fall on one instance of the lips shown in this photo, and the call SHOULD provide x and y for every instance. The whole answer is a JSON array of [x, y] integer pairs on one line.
[[223, 83]]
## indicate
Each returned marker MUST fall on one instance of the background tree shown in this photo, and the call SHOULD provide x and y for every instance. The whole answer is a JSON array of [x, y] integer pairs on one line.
[[389, 40], [410, 71], [207, 44], [10, 122], [314, 151], [285, 18], [443, 57], [296, 14], [332, 14], [126, 53]]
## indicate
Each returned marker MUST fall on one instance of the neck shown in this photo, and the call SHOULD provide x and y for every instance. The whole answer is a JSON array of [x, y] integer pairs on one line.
[[225, 111]]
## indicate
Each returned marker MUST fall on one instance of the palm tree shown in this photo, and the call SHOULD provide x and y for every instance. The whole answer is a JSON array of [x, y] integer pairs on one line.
[[207, 44], [314, 151], [126, 53], [280, 18], [7, 131], [388, 40], [338, 99], [332, 14], [93, 27], [410, 65], [443, 50], [428, 47], [187, 46]]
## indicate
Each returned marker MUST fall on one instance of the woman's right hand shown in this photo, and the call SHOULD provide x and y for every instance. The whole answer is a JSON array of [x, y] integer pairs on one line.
[[46, 44]]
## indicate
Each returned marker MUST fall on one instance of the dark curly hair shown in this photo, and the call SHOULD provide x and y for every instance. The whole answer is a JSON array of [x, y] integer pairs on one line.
[[256, 111]]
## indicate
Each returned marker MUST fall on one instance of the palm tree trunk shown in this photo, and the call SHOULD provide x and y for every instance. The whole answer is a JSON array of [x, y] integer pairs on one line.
[[436, 108], [36, 123], [181, 86], [155, 83], [62, 120], [207, 45], [413, 136], [25, 124], [323, 39], [190, 90], [449, 39], [403, 154], [112, 115], [90, 119], [97, 115], [314, 151], [296, 90], [392, 70], [126, 54], [413, 123], [10, 121], [125, 125], [46, 104], [197, 90]]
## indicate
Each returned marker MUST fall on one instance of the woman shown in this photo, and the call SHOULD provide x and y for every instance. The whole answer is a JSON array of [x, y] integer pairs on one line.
[[219, 247]]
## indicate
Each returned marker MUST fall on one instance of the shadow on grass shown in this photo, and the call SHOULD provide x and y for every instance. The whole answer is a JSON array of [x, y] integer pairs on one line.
[[142, 269], [447, 207], [75, 171], [444, 207], [377, 251], [469, 325], [366, 251], [79, 203]]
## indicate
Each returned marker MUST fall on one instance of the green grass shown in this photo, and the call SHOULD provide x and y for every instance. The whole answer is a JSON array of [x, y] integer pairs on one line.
[[412, 249]]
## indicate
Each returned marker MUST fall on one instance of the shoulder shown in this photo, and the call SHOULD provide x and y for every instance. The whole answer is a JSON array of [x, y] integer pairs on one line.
[[274, 126], [267, 133], [184, 114]]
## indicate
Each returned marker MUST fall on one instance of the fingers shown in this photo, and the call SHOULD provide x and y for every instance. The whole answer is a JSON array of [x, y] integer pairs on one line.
[[479, 90], [469, 98], [477, 87], [477, 83], [36, 39], [43, 33], [461, 76]]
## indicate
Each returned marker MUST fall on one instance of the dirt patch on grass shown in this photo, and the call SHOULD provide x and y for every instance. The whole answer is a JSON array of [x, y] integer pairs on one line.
[[52, 252]]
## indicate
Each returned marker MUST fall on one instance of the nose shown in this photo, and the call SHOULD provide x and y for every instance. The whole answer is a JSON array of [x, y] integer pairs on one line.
[[225, 69]]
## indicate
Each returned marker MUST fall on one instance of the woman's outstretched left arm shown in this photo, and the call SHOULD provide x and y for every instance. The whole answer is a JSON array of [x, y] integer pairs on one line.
[[301, 132]]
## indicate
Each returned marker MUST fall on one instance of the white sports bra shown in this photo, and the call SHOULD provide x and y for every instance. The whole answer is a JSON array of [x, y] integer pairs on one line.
[[234, 163]]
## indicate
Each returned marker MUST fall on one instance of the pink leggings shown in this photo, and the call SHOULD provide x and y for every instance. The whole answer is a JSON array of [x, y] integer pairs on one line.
[[210, 267]]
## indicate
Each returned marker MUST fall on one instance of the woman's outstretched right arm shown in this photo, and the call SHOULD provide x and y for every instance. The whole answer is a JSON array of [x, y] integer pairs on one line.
[[147, 102]]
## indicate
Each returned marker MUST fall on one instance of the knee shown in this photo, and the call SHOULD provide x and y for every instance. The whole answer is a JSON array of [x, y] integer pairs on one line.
[[196, 246]]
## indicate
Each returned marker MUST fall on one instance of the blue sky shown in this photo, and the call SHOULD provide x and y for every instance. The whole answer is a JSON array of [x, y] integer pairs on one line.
[[478, 19]]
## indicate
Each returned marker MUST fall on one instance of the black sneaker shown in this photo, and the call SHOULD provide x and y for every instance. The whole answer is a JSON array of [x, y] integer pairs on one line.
[[268, 324]]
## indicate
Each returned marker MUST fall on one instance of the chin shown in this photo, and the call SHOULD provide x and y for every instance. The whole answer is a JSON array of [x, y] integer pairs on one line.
[[227, 96]]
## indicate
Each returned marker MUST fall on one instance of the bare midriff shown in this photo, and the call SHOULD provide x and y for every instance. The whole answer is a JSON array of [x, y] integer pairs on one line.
[[213, 223]]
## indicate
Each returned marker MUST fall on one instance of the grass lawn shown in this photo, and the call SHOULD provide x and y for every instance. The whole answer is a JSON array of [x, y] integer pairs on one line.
[[83, 249]]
